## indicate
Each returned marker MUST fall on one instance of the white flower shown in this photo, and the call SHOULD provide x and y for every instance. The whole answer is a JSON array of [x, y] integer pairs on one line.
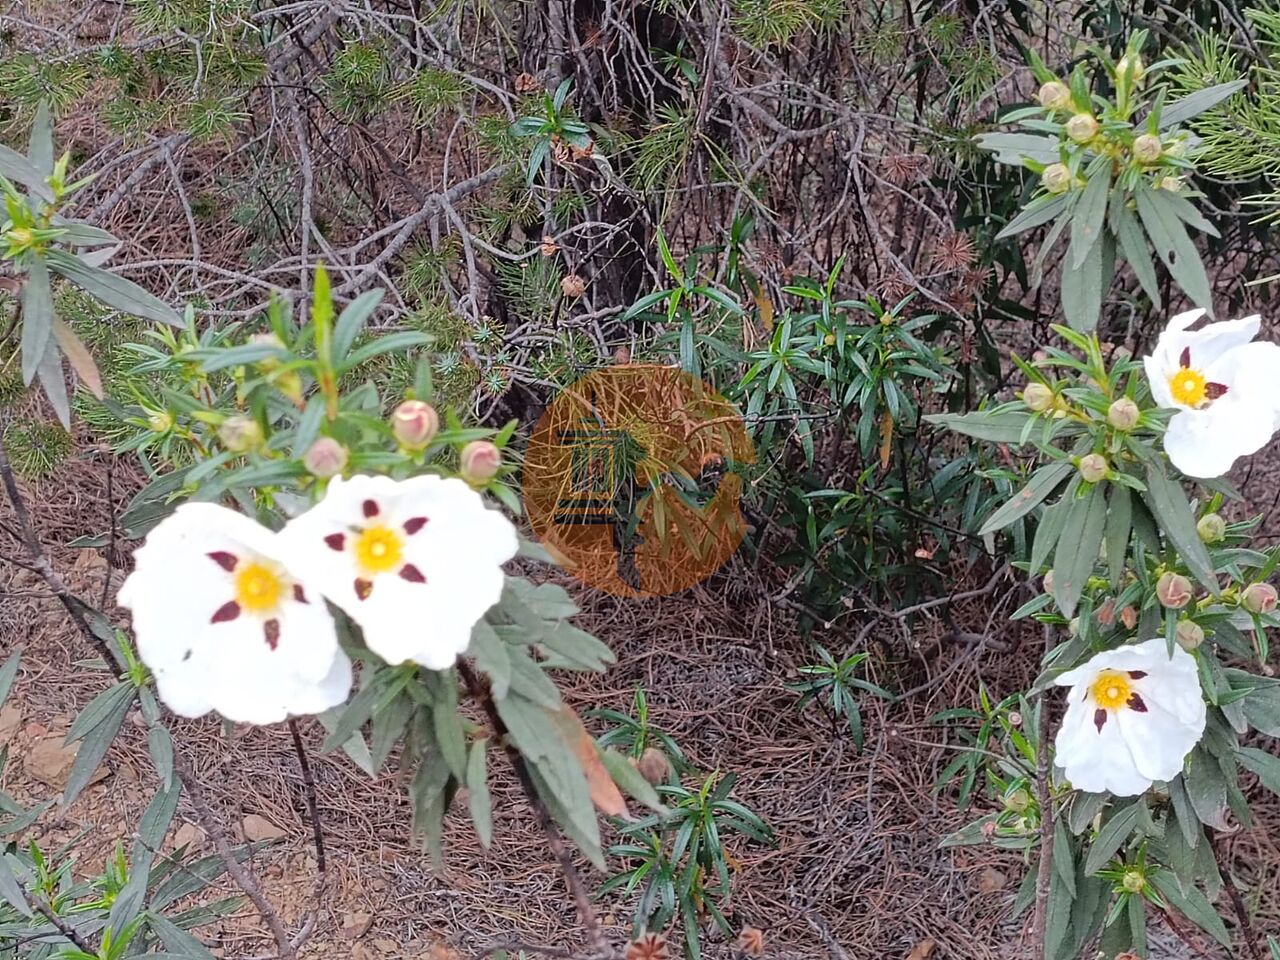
[[225, 625], [414, 562], [1225, 387], [1133, 715]]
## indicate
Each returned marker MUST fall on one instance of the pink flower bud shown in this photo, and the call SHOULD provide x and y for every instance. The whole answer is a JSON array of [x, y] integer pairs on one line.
[[1173, 590], [415, 424], [1129, 617], [325, 458], [480, 461], [1259, 598]]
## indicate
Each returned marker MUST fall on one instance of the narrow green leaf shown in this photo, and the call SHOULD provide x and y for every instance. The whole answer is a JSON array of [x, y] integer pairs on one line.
[[1172, 245], [1082, 289], [1113, 835], [37, 317], [1169, 506], [1036, 213], [1119, 525], [1193, 905], [160, 746], [479, 802], [492, 657], [94, 745], [9, 672], [11, 888], [1042, 483], [1197, 103], [352, 320], [1266, 766], [1090, 214], [1076, 556], [175, 939], [630, 780], [995, 427], [1133, 243], [115, 291]]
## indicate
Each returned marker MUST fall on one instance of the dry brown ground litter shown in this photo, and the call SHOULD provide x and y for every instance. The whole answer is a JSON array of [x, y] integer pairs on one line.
[[857, 872]]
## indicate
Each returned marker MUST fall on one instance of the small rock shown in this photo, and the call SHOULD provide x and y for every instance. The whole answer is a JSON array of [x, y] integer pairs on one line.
[[367, 951], [356, 925], [258, 829], [188, 835], [34, 730], [275, 871], [10, 721], [49, 760], [992, 880]]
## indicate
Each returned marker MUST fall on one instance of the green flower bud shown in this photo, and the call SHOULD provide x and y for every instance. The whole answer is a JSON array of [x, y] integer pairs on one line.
[[1172, 184], [240, 434], [325, 458], [267, 364], [1190, 635], [1056, 178], [1082, 127], [161, 422], [1094, 467], [1173, 590], [1131, 64], [1018, 800], [1259, 598], [480, 461], [1211, 528], [1133, 881], [1147, 148], [1054, 95], [1037, 397], [1123, 414]]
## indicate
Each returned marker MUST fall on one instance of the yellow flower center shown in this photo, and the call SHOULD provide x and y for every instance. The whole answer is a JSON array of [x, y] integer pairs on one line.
[[258, 588], [379, 550], [1111, 690], [1189, 387]]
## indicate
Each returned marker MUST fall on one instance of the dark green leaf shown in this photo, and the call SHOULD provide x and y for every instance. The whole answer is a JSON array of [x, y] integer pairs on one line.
[[1174, 247], [1192, 904], [1168, 503], [1077, 555], [1197, 103], [1036, 213], [478, 801], [95, 741], [1042, 483], [1090, 214], [1113, 835]]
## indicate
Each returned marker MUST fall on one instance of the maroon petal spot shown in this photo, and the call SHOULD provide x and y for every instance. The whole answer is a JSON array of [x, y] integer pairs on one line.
[[336, 541], [1185, 359], [271, 631], [1215, 390], [228, 611], [370, 508], [1099, 718], [1137, 674], [412, 574], [298, 594], [1137, 704], [414, 524], [363, 589], [227, 561]]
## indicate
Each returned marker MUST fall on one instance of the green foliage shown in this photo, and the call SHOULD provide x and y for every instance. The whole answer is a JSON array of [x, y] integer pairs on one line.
[[679, 860], [1112, 171], [36, 448], [834, 684]]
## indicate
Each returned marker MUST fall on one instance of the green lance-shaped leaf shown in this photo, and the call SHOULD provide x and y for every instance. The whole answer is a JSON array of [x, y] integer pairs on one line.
[[1119, 525], [1193, 905], [14, 166], [115, 291], [1082, 289], [177, 941], [1172, 511], [1002, 426], [479, 803], [37, 317], [1042, 483], [1197, 103], [1112, 837], [1133, 244], [1090, 214], [1013, 148], [1077, 555], [1037, 213], [11, 888], [105, 713], [9, 672], [1174, 247]]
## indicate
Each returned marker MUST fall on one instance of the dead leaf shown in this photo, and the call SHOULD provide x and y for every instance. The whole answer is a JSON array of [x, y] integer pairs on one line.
[[923, 950], [886, 439], [604, 792], [78, 356]]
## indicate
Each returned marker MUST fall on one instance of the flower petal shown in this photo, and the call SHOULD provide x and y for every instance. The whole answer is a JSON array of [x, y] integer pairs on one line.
[[1096, 759], [251, 667], [1159, 740], [453, 549]]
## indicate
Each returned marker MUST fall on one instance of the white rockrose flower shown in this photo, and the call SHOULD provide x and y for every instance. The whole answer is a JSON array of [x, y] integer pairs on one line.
[[1225, 387], [414, 562], [224, 624], [1133, 715]]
